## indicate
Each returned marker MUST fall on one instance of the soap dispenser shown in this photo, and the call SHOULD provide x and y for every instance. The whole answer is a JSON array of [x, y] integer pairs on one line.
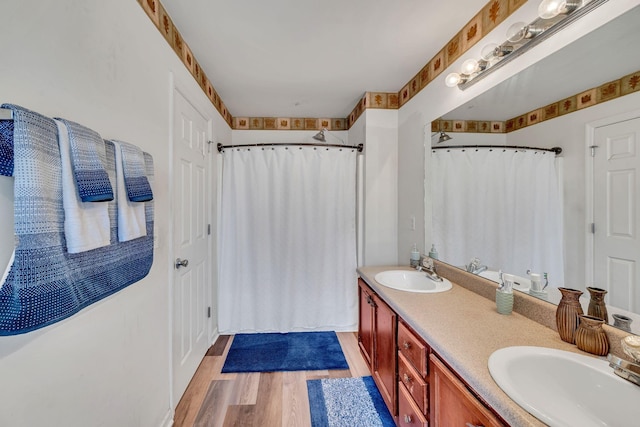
[[415, 256], [433, 253]]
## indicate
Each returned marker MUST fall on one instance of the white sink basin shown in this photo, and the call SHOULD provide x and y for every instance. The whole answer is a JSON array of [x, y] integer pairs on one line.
[[521, 284], [565, 389], [412, 281]]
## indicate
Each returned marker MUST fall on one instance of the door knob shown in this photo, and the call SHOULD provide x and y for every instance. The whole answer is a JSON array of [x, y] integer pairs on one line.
[[182, 262]]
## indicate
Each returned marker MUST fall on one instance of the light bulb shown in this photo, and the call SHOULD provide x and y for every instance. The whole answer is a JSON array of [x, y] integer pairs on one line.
[[516, 32], [550, 8], [453, 79], [469, 66], [489, 52]]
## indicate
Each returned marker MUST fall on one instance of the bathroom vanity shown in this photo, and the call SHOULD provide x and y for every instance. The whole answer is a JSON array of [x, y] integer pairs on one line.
[[428, 353]]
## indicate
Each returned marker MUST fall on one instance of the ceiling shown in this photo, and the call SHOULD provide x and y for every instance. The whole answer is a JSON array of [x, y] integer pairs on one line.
[[304, 58]]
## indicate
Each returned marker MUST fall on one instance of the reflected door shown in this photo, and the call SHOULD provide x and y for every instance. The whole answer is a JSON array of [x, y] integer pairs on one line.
[[190, 245], [616, 213]]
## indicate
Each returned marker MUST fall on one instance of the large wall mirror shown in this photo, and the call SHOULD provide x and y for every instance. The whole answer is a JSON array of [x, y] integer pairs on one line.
[[531, 211]]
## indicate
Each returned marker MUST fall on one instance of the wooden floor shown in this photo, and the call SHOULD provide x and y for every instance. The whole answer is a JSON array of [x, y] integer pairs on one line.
[[256, 399]]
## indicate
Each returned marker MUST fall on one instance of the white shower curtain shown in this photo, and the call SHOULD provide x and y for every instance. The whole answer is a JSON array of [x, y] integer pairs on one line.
[[288, 240], [500, 205]]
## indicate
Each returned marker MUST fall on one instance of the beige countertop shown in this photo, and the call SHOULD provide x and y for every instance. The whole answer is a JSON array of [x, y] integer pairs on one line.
[[464, 328]]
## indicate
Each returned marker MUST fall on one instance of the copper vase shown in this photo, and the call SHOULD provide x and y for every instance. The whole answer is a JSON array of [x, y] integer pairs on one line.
[[597, 307], [590, 336], [567, 314]]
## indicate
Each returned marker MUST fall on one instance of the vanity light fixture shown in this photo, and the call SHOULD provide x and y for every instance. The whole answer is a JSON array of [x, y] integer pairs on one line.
[[553, 16], [521, 31]]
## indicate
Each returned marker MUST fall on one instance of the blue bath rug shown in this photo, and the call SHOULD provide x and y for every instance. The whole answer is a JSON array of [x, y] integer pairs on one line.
[[338, 402], [293, 351]]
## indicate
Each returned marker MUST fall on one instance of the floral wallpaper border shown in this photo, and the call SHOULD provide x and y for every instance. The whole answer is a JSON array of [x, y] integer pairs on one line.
[[491, 15]]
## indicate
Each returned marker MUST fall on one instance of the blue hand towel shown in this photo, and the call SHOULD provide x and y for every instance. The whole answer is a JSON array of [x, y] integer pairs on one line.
[[86, 225], [87, 147], [131, 215], [6, 147], [135, 181]]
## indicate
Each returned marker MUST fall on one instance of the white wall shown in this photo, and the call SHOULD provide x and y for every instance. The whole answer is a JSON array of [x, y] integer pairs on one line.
[[380, 227], [436, 99], [357, 135], [570, 133], [102, 64]]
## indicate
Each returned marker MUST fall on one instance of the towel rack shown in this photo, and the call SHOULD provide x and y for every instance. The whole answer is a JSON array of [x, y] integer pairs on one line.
[[6, 114]]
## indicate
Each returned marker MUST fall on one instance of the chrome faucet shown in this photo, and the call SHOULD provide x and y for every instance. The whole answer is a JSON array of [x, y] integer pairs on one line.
[[426, 265], [475, 267], [630, 371]]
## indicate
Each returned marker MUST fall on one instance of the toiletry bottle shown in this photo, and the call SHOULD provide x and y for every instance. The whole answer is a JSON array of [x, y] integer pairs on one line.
[[415, 256], [433, 253]]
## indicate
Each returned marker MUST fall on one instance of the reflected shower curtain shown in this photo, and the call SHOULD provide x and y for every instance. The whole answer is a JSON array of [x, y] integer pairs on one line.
[[502, 206], [288, 240]]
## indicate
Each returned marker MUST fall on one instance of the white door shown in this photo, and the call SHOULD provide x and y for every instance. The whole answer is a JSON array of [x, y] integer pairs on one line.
[[190, 245], [616, 166]]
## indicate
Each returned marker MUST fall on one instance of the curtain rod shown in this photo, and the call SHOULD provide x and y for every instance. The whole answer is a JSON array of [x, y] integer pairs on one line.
[[556, 150], [358, 147]]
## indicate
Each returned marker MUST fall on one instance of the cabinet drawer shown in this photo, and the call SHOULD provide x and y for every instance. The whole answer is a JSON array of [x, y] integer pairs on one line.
[[413, 382], [413, 349], [453, 404], [409, 414]]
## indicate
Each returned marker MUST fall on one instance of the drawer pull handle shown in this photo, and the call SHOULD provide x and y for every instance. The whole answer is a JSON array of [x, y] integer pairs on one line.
[[473, 425], [409, 420], [406, 345], [407, 379]]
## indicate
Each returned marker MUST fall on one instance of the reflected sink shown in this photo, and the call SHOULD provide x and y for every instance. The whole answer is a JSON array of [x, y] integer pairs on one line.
[[412, 281], [521, 284], [565, 389]]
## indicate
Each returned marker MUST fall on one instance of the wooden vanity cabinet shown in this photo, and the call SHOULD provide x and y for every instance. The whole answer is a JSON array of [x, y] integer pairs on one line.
[[413, 371], [377, 342], [418, 388], [366, 321], [452, 404]]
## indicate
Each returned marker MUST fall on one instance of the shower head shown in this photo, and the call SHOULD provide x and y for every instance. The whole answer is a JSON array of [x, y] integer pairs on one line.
[[443, 137], [320, 136]]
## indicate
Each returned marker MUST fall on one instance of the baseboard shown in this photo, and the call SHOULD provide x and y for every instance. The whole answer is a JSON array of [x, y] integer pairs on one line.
[[215, 334], [167, 421]]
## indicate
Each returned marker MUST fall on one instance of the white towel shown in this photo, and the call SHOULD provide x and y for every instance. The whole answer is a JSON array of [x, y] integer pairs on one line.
[[86, 224], [131, 215]]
